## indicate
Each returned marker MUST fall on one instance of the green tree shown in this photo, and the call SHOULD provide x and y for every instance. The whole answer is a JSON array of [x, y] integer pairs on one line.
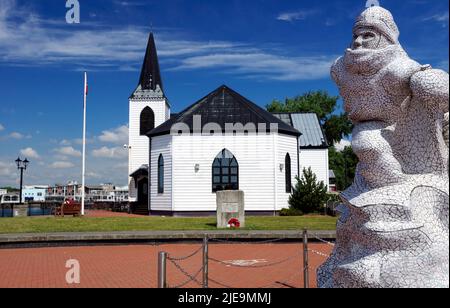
[[344, 166], [309, 195], [10, 189], [336, 126]]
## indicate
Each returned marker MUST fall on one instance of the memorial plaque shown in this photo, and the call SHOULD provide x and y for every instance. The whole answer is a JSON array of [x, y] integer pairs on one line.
[[230, 208]]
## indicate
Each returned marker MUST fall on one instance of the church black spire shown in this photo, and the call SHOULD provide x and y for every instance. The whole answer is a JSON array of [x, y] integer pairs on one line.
[[150, 73]]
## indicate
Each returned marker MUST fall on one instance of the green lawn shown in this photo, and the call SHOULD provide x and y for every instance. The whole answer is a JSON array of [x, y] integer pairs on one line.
[[69, 224]]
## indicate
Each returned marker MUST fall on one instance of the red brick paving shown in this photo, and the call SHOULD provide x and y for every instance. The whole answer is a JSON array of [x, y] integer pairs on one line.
[[136, 266]]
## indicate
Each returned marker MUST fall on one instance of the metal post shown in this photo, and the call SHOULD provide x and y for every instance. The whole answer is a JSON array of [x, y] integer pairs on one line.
[[21, 185], [305, 260], [205, 262], [162, 270]]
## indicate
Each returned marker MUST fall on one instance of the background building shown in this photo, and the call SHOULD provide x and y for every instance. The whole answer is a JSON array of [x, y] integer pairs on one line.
[[103, 193], [35, 193]]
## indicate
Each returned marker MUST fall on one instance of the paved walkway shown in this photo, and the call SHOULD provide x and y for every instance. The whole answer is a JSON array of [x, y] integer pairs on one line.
[[136, 266]]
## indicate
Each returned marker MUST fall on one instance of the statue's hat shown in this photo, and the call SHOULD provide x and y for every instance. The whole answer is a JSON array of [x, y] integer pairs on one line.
[[381, 20]]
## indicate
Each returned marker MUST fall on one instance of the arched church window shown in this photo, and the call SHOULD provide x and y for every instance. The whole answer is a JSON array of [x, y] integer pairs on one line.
[[288, 173], [225, 172], [147, 122], [161, 174]]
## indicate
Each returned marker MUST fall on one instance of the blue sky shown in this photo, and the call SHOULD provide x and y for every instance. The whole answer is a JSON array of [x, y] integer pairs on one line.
[[264, 49]]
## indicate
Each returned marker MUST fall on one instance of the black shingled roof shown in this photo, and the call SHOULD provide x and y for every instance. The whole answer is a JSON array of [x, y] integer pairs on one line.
[[224, 106], [150, 72]]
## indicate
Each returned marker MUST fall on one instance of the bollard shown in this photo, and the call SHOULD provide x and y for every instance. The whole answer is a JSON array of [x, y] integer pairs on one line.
[[205, 262], [162, 270], [305, 260]]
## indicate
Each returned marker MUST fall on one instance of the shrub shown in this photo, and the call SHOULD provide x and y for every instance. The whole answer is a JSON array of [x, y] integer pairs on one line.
[[290, 212], [309, 195]]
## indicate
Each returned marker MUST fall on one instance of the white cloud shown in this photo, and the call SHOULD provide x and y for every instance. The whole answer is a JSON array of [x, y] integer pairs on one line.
[[263, 64], [7, 170], [65, 142], [30, 153], [115, 136], [62, 165], [115, 153], [79, 141], [25, 39], [441, 17], [93, 175], [68, 151], [2, 127], [342, 145], [16, 135], [297, 15]]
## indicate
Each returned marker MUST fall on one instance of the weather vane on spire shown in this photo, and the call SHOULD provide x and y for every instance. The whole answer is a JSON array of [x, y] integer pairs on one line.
[[371, 3]]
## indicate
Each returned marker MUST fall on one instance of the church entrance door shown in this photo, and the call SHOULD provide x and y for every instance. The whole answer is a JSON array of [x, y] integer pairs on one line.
[[143, 193]]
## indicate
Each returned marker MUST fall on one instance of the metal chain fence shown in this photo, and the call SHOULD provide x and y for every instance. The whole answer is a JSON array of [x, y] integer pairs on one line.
[[205, 279]]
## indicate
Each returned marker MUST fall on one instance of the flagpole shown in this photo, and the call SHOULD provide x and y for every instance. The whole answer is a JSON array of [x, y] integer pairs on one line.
[[83, 172]]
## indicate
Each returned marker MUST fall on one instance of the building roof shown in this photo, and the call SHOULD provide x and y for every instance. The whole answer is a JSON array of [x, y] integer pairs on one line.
[[150, 82], [224, 106], [142, 171], [309, 125]]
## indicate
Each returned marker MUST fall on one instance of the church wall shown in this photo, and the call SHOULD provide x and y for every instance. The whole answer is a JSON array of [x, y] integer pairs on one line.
[[318, 161], [286, 144], [161, 202], [139, 152], [256, 155]]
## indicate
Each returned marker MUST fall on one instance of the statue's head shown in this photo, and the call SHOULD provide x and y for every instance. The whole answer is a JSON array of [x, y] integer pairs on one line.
[[375, 28]]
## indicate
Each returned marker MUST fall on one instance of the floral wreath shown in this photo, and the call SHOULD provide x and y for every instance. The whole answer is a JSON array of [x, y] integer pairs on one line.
[[234, 223]]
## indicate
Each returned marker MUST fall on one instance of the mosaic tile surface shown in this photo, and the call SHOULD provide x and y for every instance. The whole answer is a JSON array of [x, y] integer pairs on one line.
[[394, 227]]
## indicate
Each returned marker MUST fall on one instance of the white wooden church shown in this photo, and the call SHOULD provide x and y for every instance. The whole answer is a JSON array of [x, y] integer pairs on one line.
[[178, 162]]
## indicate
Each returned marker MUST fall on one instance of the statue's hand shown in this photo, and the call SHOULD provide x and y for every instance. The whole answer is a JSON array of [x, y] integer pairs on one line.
[[431, 87]]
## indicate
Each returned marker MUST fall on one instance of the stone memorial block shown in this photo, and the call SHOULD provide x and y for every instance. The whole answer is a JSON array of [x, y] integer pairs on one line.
[[230, 204], [20, 210]]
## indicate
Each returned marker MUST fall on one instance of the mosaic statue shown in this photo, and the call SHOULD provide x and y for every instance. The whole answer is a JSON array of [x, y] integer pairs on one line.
[[393, 231]]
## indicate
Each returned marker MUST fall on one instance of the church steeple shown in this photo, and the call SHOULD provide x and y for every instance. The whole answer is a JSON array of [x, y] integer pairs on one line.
[[150, 81], [150, 73]]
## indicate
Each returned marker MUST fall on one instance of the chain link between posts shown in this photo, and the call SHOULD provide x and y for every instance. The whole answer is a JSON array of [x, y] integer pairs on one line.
[[191, 278], [186, 257], [194, 278]]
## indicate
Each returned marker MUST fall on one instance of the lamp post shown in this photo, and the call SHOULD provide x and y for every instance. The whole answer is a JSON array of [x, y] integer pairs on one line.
[[21, 165]]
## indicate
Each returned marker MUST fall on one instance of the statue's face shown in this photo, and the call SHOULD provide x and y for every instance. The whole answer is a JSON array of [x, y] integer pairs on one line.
[[368, 38]]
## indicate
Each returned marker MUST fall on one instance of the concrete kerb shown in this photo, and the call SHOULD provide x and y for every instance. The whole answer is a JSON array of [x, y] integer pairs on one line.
[[112, 238]]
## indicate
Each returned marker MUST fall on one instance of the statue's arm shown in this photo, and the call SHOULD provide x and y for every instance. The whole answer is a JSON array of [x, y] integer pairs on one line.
[[337, 71], [431, 87]]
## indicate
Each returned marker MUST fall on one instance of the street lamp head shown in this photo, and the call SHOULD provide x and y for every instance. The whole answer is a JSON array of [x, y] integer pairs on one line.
[[25, 163], [18, 162]]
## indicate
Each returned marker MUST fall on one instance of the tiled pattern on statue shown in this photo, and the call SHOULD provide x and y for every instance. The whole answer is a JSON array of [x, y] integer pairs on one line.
[[394, 227]]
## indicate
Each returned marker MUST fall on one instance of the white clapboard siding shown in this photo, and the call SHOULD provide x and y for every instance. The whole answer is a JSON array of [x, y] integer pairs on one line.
[[286, 144], [139, 151], [161, 146], [192, 191], [317, 159]]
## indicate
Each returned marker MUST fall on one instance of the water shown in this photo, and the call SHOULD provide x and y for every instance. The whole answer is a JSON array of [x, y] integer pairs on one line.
[[6, 213], [32, 211], [39, 212]]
